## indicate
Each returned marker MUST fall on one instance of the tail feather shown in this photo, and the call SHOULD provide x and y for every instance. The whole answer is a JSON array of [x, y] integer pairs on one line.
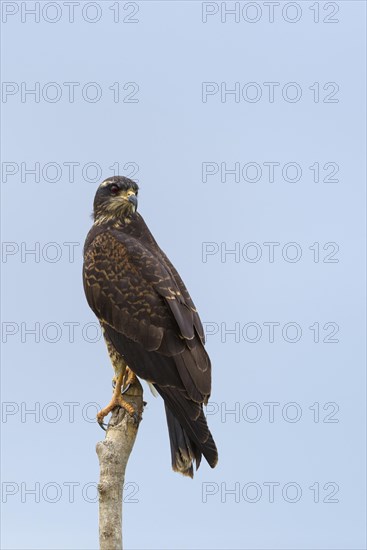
[[191, 436], [183, 451]]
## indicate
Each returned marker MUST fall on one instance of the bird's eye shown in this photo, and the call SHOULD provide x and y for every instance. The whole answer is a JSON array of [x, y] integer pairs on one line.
[[114, 189]]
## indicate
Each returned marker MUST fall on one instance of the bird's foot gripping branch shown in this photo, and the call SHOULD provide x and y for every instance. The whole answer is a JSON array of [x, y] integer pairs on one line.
[[126, 380]]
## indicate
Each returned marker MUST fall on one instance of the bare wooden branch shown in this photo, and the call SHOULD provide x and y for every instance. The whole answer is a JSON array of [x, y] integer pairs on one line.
[[113, 454]]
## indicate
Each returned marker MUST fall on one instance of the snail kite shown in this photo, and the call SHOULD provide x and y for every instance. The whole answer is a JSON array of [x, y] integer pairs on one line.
[[149, 321]]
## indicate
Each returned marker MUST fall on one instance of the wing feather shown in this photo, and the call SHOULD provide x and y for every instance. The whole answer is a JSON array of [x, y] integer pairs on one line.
[[133, 291]]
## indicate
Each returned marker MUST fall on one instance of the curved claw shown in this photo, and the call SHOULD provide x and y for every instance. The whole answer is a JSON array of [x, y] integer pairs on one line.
[[103, 426], [125, 389]]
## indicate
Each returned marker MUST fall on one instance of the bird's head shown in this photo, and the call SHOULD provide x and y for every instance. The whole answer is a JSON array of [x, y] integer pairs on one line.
[[115, 200]]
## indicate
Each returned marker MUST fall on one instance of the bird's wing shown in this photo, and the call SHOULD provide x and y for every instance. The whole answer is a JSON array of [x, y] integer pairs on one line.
[[186, 296], [134, 294]]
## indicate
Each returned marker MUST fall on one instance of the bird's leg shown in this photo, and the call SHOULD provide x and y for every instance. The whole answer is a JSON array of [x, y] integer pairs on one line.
[[129, 379], [117, 400]]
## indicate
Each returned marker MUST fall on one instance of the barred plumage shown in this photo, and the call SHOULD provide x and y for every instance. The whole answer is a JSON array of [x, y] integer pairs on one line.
[[149, 318]]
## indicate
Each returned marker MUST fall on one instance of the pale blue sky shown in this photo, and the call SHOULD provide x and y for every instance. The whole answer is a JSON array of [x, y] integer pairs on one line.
[[167, 135]]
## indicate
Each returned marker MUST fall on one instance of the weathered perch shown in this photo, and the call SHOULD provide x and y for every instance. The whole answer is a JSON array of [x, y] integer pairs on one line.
[[113, 454]]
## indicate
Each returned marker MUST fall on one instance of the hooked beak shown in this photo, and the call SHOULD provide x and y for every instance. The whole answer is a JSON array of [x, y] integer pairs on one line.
[[134, 200]]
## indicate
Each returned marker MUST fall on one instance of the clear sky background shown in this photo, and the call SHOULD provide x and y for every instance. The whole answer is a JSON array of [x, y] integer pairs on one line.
[[291, 453]]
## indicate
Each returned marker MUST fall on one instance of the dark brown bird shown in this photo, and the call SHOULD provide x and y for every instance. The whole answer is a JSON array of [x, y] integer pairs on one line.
[[149, 321]]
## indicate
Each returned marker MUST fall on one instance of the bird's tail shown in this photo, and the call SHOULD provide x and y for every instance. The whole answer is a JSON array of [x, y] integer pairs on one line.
[[183, 451], [189, 433]]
